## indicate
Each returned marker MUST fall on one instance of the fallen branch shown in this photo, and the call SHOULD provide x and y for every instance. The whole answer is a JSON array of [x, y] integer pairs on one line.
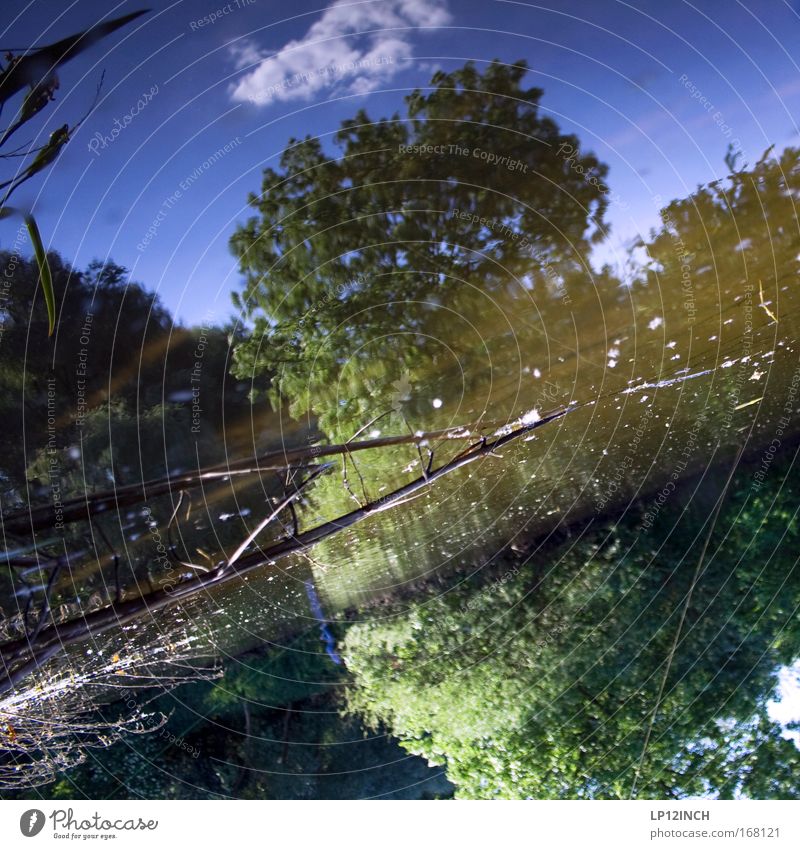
[[89, 506], [82, 507], [116, 615]]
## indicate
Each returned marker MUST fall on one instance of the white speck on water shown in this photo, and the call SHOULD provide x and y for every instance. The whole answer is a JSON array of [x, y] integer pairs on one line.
[[613, 352], [656, 322], [612, 363], [537, 373], [374, 434], [671, 344], [437, 402]]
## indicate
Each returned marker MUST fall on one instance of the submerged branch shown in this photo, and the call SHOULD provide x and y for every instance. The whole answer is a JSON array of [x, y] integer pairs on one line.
[[83, 507], [58, 637], [90, 506]]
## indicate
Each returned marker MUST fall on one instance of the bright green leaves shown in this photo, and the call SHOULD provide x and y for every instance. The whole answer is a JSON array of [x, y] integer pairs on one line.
[[422, 229], [45, 278], [540, 681]]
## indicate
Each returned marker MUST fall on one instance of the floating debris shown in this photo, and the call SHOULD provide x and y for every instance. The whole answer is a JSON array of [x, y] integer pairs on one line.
[[661, 384], [765, 304], [748, 403]]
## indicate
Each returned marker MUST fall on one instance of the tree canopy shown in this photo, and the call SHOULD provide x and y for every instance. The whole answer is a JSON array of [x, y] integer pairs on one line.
[[542, 681], [391, 259]]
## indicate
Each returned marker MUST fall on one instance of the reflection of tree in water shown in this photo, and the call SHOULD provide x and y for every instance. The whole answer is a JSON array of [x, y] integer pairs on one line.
[[542, 680], [402, 259], [391, 278], [382, 282], [78, 432], [109, 405]]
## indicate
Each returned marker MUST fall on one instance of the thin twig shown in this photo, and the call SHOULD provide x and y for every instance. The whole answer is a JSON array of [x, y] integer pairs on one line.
[[425, 469], [271, 517], [45, 603], [352, 460]]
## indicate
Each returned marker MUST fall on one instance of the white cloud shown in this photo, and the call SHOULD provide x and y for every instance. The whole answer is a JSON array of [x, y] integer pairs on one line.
[[354, 46]]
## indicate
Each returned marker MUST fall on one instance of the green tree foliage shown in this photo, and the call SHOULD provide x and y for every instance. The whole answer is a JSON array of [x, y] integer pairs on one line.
[[117, 353], [269, 729], [737, 231], [426, 227], [105, 323], [121, 395], [117, 446], [542, 683]]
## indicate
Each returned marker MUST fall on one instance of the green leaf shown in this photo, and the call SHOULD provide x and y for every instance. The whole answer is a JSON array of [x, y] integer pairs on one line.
[[48, 154], [44, 271], [33, 67], [45, 157], [35, 100]]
